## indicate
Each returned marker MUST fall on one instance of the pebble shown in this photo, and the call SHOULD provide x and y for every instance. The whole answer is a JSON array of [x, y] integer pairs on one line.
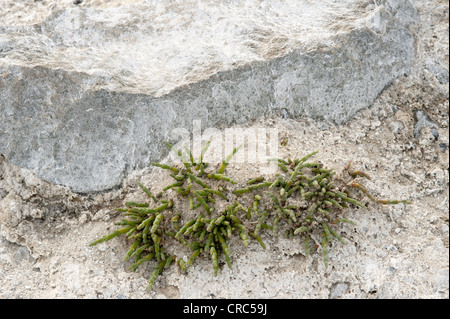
[[338, 290], [84, 217], [101, 247], [22, 254], [435, 133], [396, 127], [443, 146], [422, 120], [444, 229], [3, 193]]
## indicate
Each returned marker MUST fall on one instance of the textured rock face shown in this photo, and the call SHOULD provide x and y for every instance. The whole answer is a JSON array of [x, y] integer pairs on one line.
[[87, 95]]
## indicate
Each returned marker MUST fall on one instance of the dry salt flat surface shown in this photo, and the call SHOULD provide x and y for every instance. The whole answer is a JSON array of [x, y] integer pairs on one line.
[[398, 251]]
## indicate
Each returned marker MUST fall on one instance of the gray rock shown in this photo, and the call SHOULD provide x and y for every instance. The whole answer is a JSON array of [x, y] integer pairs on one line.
[[22, 255], [423, 120], [404, 12], [396, 127], [435, 134], [438, 70], [88, 95], [338, 289]]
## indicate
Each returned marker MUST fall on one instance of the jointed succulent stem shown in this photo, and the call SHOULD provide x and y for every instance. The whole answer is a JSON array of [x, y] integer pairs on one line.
[[305, 198]]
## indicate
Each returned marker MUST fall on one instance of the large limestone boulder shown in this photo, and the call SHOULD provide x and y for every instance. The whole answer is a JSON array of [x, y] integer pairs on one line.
[[89, 94]]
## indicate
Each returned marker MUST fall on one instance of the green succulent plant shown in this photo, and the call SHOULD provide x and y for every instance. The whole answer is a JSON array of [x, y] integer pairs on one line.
[[305, 198]]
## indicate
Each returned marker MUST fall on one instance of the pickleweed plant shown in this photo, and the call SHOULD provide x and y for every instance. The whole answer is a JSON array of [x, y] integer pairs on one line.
[[304, 199]]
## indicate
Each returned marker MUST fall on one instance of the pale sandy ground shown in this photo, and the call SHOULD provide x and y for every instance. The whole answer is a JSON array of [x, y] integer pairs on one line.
[[396, 251]]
